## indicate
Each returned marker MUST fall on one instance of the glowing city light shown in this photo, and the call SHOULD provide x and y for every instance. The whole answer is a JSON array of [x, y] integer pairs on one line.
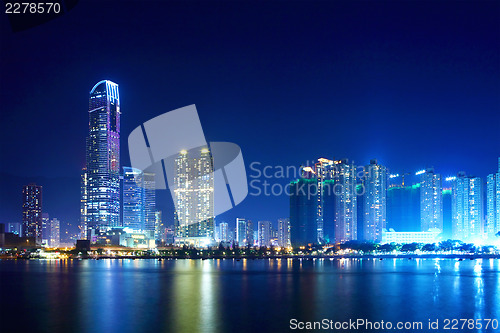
[[419, 172], [308, 169], [449, 179], [394, 175]]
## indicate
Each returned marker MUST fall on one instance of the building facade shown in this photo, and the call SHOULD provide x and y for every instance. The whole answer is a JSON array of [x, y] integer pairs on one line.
[[374, 201], [32, 212], [284, 233], [447, 214], [345, 202], [250, 237], [406, 237], [403, 207], [265, 233], [55, 233], [431, 201], [241, 231], [194, 198], [101, 177], [133, 199], [139, 200], [467, 208], [324, 171], [223, 232], [149, 186], [493, 203], [303, 211]]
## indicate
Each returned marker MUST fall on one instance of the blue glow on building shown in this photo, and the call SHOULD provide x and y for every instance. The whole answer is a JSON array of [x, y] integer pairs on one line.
[[101, 195]]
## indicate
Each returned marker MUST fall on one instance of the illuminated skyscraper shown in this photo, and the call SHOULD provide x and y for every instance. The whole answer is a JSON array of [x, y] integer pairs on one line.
[[323, 204], [264, 232], [250, 237], [101, 195], [467, 208], [431, 201], [284, 232], [223, 232], [159, 227], [303, 211], [45, 226], [375, 201], [324, 170], [149, 201], [55, 232], [83, 204], [241, 232], [194, 196], [493, 202], [345, 202], [139, 200], [32, 212], [133, 198]]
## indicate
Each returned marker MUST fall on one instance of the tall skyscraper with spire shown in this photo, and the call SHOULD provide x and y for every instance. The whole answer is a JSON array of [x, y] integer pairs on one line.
[[101, 177]]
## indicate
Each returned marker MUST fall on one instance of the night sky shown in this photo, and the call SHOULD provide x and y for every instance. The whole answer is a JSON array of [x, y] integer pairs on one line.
[[413, 84]]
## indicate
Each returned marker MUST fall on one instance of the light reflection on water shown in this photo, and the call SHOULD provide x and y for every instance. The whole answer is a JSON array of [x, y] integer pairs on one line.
[[245, 296]]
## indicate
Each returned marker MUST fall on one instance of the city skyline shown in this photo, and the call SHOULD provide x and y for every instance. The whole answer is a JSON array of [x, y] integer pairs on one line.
[[348, 85], [336, 172], [250, 166]]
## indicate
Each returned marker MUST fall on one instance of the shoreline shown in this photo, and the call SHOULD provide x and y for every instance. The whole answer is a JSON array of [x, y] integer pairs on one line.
[[459, 257]]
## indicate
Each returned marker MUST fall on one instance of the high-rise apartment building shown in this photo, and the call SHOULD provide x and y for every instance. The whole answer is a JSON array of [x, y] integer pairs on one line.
[[45, 226], [431, 201], [55, 232], [160, 226], [194, 198], [241, 231], [223, 232], [83, 204], [250, 238], [345, 202], [264, 233], [133, 198], [467, 208], [324, 170], [374, 201], [139, 200], [323, 204], [284, 232], [32, 212], [101, 177], [149, 186], [493, 203]]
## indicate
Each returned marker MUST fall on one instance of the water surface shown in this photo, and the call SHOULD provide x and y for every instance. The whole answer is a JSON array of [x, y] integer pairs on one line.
[[240, 296]]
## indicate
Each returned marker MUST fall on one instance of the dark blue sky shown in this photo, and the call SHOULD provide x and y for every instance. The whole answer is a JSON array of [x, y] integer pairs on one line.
[[413, 84]]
